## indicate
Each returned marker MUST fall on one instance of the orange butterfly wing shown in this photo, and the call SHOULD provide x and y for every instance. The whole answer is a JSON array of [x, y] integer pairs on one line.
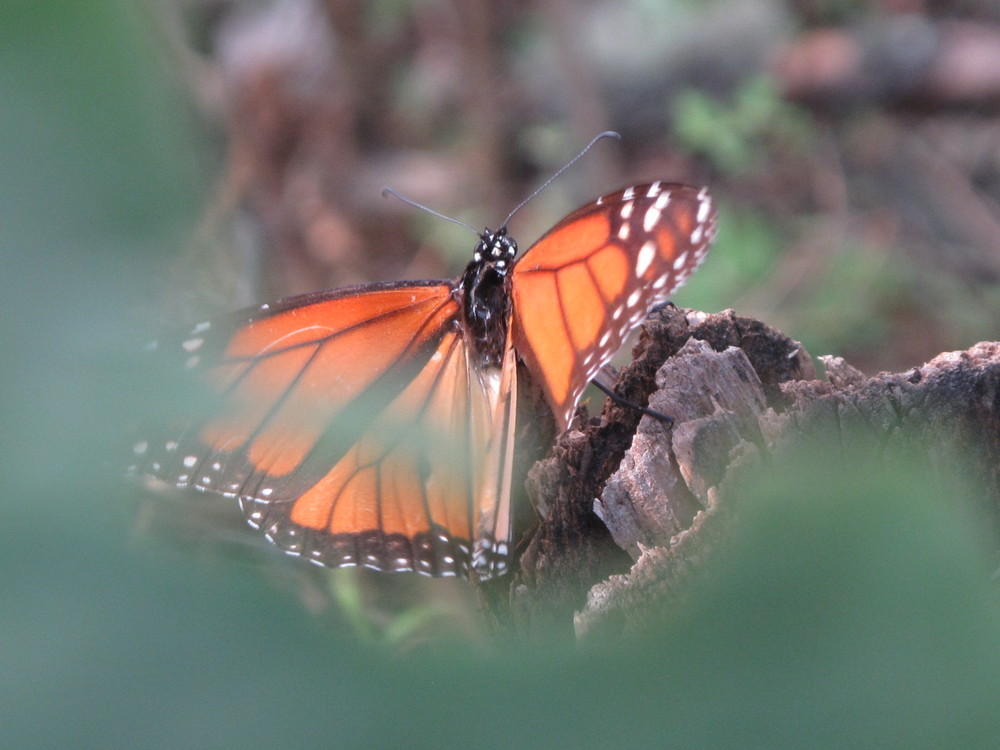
[[373, 426], [354, 431], [584, 286]]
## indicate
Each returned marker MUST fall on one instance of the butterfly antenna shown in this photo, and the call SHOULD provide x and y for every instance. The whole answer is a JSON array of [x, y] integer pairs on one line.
[[387, 191], [567, 165]]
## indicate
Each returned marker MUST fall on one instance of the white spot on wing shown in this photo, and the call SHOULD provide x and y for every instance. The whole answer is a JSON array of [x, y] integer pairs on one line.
[[629, 193], [627, 210], [645, 259], [654, 189], [633, 298], [624, 230], [192, 345], [680, 260], [705, 206], [651, 218]]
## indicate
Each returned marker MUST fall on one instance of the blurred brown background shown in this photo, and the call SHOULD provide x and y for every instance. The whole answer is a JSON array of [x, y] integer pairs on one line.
[[854, 147]]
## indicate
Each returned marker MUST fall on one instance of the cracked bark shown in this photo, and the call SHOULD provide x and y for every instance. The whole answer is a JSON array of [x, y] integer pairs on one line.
[[630, 506]]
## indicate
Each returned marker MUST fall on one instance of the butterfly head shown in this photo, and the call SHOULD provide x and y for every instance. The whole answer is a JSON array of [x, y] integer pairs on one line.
[[496, 248]]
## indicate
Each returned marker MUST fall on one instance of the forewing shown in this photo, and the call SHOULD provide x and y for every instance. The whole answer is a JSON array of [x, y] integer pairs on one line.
[[584, 286], [348, 424]]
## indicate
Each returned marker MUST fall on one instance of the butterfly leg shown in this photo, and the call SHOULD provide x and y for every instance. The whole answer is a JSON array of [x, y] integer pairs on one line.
[[629, 405]]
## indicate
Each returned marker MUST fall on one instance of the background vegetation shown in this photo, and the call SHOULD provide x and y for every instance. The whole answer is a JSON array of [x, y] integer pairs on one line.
[[162, 160]]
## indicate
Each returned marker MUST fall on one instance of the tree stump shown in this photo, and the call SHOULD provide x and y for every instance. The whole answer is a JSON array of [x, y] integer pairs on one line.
[[630, 505]]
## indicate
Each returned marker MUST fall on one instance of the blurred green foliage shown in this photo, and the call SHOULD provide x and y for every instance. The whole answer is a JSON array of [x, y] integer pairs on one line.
[[743, 133], [747, 248], [847, 303], [853, 608]]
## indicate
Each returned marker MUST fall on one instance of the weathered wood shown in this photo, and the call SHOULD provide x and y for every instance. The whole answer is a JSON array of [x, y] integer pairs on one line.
[[631, 506]]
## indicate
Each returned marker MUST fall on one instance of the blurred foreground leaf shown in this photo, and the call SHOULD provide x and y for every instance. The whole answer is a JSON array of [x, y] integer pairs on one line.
[[852, 609]]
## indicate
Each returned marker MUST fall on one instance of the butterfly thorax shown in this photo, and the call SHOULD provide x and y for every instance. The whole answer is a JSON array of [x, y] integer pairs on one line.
[[486, 295]]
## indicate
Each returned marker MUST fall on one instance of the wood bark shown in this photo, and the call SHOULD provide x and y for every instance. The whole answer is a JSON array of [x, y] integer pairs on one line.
[[630, 505]]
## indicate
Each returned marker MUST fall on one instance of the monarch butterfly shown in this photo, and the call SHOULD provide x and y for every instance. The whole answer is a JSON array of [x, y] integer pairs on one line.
[[373, 425]]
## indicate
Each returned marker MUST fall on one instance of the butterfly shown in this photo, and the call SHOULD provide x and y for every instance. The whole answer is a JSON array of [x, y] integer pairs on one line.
[[373, 425]]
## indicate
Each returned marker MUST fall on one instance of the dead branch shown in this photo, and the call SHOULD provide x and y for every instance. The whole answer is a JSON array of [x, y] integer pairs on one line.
[[631, 506]]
